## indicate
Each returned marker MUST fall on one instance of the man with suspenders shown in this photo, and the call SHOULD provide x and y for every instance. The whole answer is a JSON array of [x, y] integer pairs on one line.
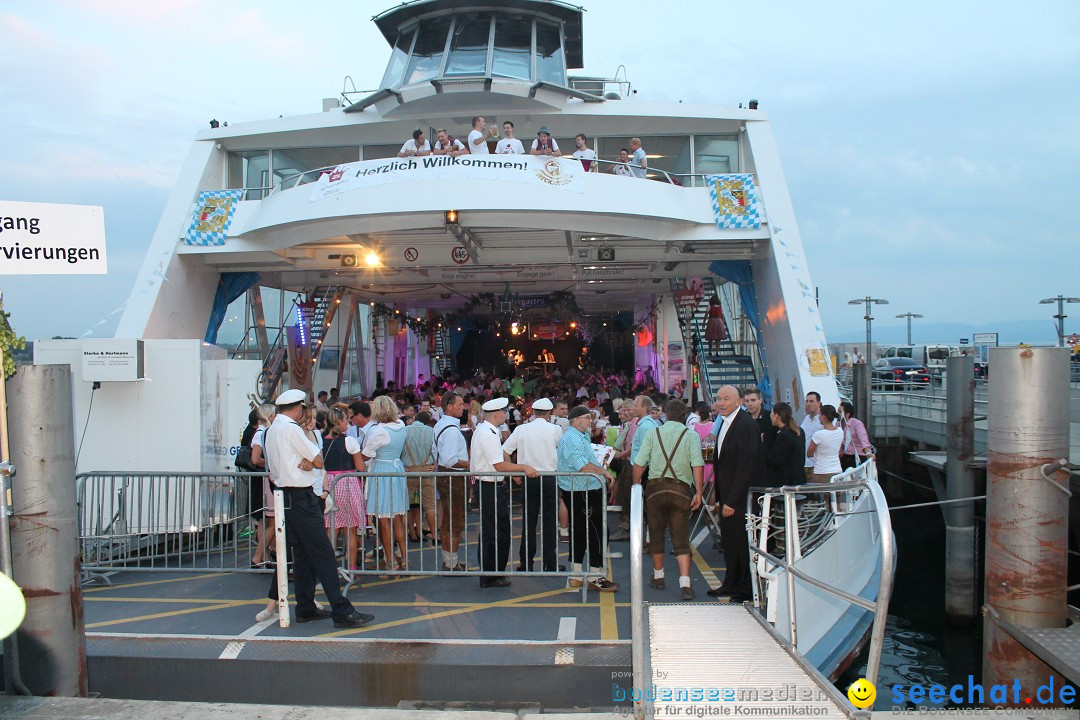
[[676, 471], [451, 455]]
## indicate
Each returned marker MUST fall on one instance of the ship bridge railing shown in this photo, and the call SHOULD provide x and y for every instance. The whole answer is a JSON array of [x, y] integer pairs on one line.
[[811, 516], [610, 167]]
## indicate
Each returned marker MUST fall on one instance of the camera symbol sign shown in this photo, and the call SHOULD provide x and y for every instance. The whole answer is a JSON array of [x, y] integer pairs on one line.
[[460, 254], [411, 254]]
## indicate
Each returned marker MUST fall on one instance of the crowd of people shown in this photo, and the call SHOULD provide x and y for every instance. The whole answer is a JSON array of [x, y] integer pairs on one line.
[[632, 161], [431, 449]]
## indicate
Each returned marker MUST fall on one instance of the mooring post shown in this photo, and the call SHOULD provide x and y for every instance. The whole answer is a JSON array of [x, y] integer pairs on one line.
[[1025, 513], [960, 596], [44, 533]]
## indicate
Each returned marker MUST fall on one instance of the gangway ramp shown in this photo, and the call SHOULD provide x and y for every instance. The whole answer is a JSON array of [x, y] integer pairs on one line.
[[713, 660]]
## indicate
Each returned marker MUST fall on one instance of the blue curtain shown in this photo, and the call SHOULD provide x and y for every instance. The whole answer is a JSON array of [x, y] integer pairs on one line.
[[231, 285], [738, 272]]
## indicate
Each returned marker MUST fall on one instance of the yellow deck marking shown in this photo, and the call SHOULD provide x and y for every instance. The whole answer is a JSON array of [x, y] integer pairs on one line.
[[609, 626], [476, 607], [706, 571], [158, 582], [173, 613]]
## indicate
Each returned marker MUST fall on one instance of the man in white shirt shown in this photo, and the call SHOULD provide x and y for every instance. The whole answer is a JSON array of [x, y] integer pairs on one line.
[[320, 401], [359, 417], [583, 152], [478, 138], [562, 410], [451, 455], [536, 444], [487, 457], [446, 145], [544, 144], [639, 165], [810, 425], [508, 144], [293, 462], [622, 165], [418, 146]]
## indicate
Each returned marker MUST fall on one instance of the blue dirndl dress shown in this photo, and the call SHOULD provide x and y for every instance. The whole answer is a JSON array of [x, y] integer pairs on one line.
[[387, 489]]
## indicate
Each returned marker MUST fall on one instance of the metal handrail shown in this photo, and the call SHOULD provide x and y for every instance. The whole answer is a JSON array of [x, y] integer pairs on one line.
[[637, 605], [679, 179], [845, 482]]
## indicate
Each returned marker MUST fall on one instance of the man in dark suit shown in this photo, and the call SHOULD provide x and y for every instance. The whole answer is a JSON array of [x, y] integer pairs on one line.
[[739, 464]]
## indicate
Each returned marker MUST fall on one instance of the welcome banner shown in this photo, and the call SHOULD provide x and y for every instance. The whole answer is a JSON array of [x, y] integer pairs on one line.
[[558, 173]]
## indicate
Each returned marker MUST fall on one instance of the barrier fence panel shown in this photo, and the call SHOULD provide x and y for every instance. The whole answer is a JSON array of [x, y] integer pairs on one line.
[[167, 521], [478, 524], [514, 527]]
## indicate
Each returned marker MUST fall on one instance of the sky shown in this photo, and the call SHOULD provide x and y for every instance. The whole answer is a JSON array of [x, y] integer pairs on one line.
[[931, 148]]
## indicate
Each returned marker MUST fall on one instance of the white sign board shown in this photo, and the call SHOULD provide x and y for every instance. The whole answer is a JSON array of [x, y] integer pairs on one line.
[[112, 359], [562, 173], [48, 239]]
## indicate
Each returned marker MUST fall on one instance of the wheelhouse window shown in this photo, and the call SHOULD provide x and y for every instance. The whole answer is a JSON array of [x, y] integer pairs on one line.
[[716, 154], [427, 54], [398, 59], [469, 45], [250, 171], [513, 48], [550, 61]]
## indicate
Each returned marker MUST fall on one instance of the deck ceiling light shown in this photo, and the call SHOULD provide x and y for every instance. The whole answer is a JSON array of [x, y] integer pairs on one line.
[[451, 217], [372, 259]]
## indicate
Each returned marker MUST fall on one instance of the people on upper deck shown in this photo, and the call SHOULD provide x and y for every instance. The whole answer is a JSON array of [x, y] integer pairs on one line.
[[544, 144], [639, 165], [445, 144], [583, 152], [508, 144], [478, 138], [417, 147], [622, 165]]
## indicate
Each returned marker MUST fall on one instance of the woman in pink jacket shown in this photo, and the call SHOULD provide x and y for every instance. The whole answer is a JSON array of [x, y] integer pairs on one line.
[[856, 447]]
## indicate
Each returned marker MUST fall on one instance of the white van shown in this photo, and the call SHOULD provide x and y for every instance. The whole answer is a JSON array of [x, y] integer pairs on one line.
[[932, 356]]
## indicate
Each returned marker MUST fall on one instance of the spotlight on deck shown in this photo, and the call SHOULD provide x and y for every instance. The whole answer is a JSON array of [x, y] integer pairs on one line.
[[451, 217], [214, 124], [372, 259]]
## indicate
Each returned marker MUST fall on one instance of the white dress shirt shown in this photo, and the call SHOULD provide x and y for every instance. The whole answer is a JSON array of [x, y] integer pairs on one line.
[[449, 445], [487, 450], [536, 444], [285, 444]]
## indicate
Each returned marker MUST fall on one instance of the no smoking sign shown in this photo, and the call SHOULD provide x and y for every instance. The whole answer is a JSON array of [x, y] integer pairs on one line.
[[460, 254], [411, 254]]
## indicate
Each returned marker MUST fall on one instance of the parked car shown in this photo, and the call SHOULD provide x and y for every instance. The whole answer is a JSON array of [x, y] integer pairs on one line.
[[893, 373]]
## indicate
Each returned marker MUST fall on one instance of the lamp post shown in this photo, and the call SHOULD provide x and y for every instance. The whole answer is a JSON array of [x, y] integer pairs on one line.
[[1060, 317], [909, 315], [867, 409]]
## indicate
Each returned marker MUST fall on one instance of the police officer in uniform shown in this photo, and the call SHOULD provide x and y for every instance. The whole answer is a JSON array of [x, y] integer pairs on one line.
[[292, 460], [486, 455]]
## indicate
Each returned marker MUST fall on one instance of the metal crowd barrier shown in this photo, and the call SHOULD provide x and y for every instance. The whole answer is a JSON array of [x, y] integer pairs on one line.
[[181, 522], [173, 522], [522, 497]]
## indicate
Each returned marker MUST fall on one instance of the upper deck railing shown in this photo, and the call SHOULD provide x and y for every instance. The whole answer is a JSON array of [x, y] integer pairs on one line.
[[611, 167]]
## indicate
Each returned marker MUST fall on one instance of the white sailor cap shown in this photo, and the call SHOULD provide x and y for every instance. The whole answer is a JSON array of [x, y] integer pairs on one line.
[[543, 404], [496, 404], [290, 396]]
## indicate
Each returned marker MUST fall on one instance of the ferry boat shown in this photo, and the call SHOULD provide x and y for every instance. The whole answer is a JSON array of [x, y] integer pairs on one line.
[[316, 251]]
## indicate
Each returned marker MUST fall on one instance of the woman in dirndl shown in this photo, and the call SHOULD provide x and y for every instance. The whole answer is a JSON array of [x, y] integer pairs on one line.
[[715, 328], [387, 488], [341, 456]]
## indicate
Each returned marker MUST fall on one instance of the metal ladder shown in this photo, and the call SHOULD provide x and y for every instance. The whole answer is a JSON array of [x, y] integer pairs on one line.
[[728, 368]]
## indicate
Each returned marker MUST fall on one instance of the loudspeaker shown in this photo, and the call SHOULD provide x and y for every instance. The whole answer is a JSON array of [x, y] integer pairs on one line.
[[349, 261], [605, 254]]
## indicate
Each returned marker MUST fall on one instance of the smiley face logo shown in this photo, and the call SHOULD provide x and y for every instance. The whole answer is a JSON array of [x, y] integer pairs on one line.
[[862, 693]]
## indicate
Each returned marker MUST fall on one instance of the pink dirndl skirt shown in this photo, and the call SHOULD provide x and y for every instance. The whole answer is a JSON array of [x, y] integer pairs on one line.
[[349, 508]]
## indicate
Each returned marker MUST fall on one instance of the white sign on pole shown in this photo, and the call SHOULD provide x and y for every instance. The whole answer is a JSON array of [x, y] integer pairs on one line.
[[50, 239]]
